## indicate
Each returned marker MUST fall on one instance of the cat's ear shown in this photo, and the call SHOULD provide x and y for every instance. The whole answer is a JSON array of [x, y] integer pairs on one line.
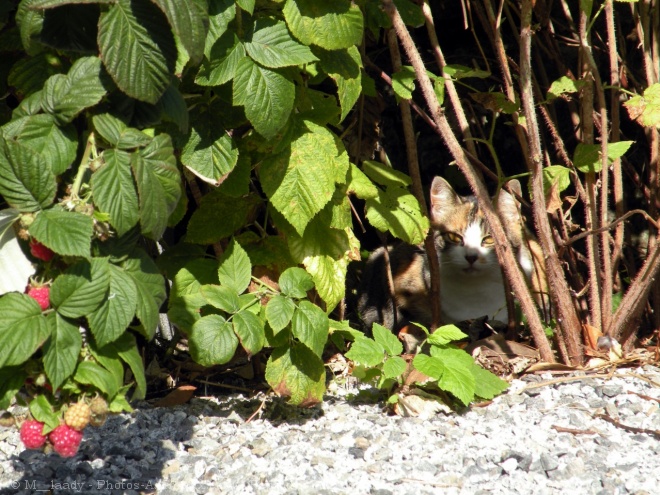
[[443, 199], [507, 204]]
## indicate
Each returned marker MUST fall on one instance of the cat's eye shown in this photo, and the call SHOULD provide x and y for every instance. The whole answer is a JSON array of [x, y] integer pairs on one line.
[[487, 241], [454, 238]]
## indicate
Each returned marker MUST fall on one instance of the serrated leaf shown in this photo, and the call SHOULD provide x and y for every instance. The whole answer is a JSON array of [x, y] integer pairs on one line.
[[61, 350], [359, 184], [296, 372], [457, 71], [212, 341], [344, 67], [30, 23], [28, 75], [403, 82], [385, 175], [317, 106], [446, 334], [220, 14], [114, 190], [151, 289], [266, 95], [221, 297], [329, 276], [295, 282], [26, 181], [587, 157], [618, 149], [235, 269], [117, 133], [12, 378], [42, 410], [250, 331], [142, 64], [23, 329], [223, 58], [127, 349], [210, 153], [394, 367], [158, 184], [56, 145], [300, 181], [556, 174], [82, 288], [487, 385], [246, 5], [189, 279], [645, 109], [66, 232], [310, 325], [279, 311], [66, 96], [396, 210], [330, 25], [457, 377], [387, 339], [187, 23], [366, 351], [111, 319], [219, 216], [410, 12], [90, 373], [429, 365], [564, 85], [272, 46], [48, 4]]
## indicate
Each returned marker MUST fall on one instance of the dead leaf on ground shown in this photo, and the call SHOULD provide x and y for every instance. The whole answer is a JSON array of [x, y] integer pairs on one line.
[[177, 397]]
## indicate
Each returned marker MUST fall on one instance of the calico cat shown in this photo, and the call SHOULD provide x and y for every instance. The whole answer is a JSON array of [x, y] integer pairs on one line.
[[471, 284]]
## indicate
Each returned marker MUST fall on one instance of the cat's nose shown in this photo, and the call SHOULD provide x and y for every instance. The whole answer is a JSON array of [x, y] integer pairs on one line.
[[471, 258]]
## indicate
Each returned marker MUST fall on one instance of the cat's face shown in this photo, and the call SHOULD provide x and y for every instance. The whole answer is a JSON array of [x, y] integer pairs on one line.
[[465, 241]]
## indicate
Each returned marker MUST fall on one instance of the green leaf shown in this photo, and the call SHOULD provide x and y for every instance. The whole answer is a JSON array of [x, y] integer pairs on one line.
[[330, 25], [56, 145], [212, 341], [366, 351], [359, 184], [329, 277], [564, 85], [266, 95], [219, 216], [310, 325], [221, 297], [617, 150], [272, 46], [187, 23], [486, 384], [385, 175], [586, 158], [189, 279], [26, 181], [457, 71], [29, 75], [279, 311], [556, 174], [209, 153], [127, 349], [42, 411], [645, 109], [403, 82], [246, 5], [457, 377], [387, 339], [61, 350], [23, 329], [220, 66], [118, 134], [48, 4], [317, 106], [411, 13], [12, 378], [396, 210], [90, 373], [446, 334], [429, 365], [114, 190], [297, 373], [344, 67], [235, 268], [66, 96], [66, 232], [221, 13], [300, 181], [150, 286], [30, 23], [142, 63], [295, 282], [82, 288], [250, 330], [111, 319], [158, 184], [394, 367]]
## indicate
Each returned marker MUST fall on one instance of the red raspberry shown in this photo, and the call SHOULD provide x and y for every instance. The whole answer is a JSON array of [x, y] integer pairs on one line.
[[31, 435], [40, 251], [65, 440], [41, 295]]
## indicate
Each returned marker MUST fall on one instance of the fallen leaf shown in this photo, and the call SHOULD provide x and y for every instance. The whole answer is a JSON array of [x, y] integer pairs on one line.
[[180, 395]]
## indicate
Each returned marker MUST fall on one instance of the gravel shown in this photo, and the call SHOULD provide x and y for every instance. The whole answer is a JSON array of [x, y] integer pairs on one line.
[[585, 435]]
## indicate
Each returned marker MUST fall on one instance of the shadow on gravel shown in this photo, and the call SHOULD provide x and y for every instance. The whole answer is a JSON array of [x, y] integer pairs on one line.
[[131, 453]]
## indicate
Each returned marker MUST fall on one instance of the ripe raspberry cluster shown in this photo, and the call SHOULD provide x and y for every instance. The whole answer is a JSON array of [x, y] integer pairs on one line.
[[65, 440], [40, 251], [41, 294]]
